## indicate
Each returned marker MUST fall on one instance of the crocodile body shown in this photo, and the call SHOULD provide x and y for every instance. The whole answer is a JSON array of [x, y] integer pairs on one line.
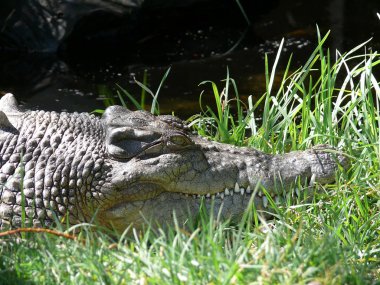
[[129, 167]]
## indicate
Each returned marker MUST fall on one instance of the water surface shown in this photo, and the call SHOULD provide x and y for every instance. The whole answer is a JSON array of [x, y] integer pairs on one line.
[[196, 51]]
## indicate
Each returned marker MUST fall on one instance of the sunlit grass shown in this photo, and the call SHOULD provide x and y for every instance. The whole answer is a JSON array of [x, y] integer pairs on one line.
[[331, 239]]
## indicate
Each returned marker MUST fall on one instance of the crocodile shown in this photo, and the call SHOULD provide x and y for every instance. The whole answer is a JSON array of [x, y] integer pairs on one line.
[[129, 168]]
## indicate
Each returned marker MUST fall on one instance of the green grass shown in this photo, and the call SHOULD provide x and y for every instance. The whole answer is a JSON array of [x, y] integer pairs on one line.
[[333, 239], [126, 99]]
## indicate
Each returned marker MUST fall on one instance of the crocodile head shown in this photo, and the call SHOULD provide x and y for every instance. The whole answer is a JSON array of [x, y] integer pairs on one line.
[[159, 168], [128, 167]]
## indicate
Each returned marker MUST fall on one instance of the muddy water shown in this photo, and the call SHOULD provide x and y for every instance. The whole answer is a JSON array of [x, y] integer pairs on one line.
[[195, 53]]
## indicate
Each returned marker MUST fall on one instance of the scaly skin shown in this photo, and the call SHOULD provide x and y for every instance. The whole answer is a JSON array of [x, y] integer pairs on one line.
[[131, 167]]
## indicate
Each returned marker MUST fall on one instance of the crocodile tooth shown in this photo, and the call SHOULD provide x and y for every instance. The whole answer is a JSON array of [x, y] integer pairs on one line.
[[222, 196], [226, 191], [265, 202], [208, 195], [260, 194], [312, 180], [237, 188], [248, 189], [242, 191]]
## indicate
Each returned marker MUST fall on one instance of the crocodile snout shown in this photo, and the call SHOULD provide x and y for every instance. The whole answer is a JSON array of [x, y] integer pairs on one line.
[[324, 162]]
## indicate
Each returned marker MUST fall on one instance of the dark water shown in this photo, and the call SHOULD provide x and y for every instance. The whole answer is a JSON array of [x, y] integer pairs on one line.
[[196, 50]]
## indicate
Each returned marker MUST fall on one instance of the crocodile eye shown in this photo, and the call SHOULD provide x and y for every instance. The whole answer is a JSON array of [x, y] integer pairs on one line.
[[180, 140]]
